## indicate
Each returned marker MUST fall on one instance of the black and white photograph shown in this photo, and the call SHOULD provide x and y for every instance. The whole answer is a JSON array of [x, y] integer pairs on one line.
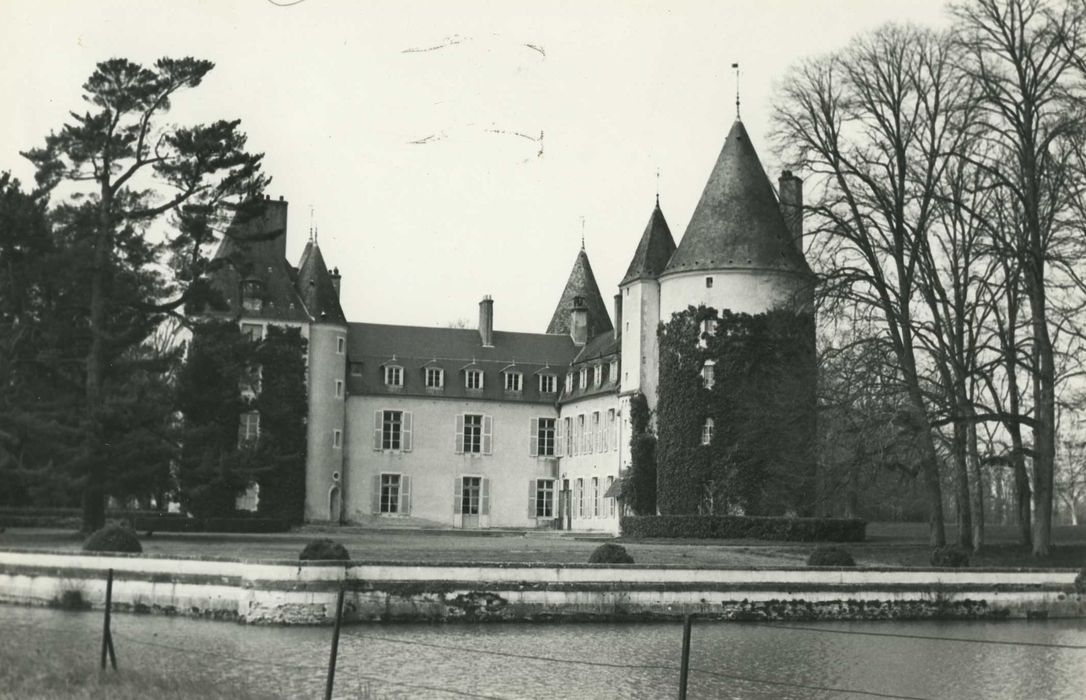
[[505, 349]]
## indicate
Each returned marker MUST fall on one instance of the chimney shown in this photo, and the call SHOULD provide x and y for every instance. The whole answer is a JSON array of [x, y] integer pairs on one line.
[[335, 280], [618, 315], [791, 189], [578, 321], [486, 321]]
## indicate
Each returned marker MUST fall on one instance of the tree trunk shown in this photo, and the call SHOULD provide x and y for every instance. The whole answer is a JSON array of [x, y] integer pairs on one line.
[[94, 496], [1044, 409], [977, 491], [961, 477]]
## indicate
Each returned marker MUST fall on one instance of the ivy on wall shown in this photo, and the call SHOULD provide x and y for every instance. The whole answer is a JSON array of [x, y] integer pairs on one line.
[[760, 458], [215, 465], [641, 482]]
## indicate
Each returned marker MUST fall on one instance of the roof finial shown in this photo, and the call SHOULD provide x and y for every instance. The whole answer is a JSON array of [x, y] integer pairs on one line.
[[658, 187], [310, 223], [316, 232], [582, 233], [736, 67]]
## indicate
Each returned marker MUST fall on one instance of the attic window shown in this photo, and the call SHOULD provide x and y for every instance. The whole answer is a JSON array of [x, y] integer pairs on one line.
[[435, 377], [584, 378], [393, 375], [598, 379], [473, 379], [513, 381], [546, 383], [356, 369], [708, 282], [252, 295]]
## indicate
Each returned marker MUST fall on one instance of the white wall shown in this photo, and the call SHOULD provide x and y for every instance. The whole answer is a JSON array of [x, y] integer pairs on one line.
[[743, 291], [325, 414], [593, 464]]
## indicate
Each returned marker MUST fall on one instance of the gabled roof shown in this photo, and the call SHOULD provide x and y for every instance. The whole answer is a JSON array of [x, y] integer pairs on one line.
[[581, 283], [737, 223], [255, 250], [653, 250], [316, 288]]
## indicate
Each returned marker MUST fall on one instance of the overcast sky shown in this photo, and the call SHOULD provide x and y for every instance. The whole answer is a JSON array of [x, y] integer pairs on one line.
[[412, 129]]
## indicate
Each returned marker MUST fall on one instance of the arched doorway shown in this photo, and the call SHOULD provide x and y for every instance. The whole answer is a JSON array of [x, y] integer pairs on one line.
[[334, 504]]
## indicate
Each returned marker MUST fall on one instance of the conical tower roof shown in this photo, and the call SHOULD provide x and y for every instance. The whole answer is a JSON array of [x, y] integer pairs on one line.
[[737, 222], [653, 250], [581, 283], [316, 288]]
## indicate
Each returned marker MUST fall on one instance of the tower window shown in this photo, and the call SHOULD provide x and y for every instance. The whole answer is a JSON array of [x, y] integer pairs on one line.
[[708, 282], [708, 374], [707, 431]]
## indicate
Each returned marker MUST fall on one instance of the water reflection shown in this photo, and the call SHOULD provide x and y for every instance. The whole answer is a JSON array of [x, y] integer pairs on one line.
[[734, 660]]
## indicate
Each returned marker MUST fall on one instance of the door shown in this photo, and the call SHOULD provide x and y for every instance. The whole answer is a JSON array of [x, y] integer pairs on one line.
[[470, 501]]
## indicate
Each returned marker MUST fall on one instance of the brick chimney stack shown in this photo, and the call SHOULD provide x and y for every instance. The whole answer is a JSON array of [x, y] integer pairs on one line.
[[791, 190], [618, 315], [486, 321], [335, 276]]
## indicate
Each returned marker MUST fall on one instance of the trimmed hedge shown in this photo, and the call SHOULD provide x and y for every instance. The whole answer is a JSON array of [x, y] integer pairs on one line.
[[610, 554], [113, 538], [830, 556], [245, 525], [324, 549], [738, 527]]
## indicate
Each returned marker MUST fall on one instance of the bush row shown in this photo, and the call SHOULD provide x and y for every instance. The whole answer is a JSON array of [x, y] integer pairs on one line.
[[735, 527], [183, 524]]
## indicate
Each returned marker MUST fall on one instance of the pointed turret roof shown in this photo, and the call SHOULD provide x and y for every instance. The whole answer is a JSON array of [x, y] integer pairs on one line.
[[581, 283], [737, 222], [653, 250], [316, 288]]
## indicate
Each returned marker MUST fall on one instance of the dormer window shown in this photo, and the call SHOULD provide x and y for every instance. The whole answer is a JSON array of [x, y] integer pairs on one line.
[[393, 375], [252, 295], [547, 383], [435, 378], [707, 431], [473, 379], [514, 381], [613, 371], [598, 381], [569, 382], [584, 378]]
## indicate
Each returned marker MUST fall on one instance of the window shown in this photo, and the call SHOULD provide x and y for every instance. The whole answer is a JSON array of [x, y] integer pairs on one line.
[[435, 378], [472, 495], [579, 495], [252, 295], [473, 379], [542, 439], [251, 380], [597, 503], [547, 383], [579, 444], [708, 374], [393, 375], [339, 388], [569, 382], [390, 493], [392, 430], [541, 495], [474, 434], [611, 505], [337, 439], [569, 435], [584, 378], [248, 428], [612, 437], [707, 431], [708, 328], [612, 373], [708, 282], [594, 436], [513, 381], [356, 369], [598, 380], [253, 331], [341, 345]]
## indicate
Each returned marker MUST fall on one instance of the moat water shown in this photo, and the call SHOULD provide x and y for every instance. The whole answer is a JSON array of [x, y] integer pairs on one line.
[[1014, 659]]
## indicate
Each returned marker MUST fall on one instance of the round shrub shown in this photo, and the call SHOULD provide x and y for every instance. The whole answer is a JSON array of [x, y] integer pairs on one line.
[[323, 550], [610, 554], [1080, 581], [113, 538], [951, 556], [830, 556]]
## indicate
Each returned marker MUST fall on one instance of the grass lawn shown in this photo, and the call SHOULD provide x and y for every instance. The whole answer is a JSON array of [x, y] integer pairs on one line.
[[888, 544]]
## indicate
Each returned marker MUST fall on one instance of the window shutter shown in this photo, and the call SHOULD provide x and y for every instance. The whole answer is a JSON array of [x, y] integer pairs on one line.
[[458, 495], [376, 494], [458, 441], [559, 437], [405, 495], [531, 498], [378, 417], [533, 437], [484, 498], [488, 434], [576, 506], [405, 437]]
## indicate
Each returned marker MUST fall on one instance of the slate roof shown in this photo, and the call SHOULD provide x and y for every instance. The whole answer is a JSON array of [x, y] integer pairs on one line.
[[653, 250], [602, 348], [256, 250], [737, 223], [316, 288], [372, 345], [581, 283]]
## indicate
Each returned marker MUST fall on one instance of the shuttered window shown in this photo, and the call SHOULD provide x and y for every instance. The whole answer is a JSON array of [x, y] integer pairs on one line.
[[392, 431], [541, 498], [541, 437], [391, 494]]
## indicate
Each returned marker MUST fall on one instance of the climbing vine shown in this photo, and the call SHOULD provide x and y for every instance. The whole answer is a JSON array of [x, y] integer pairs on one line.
[[641, 482], [759, 460], [282, 407]]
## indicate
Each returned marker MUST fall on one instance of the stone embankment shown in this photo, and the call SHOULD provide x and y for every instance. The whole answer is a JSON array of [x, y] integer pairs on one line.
[[290, 592]]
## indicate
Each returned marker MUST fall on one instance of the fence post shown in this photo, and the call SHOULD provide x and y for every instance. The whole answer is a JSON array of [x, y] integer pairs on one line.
[[107, 635], [335, 648], [684, 668]]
